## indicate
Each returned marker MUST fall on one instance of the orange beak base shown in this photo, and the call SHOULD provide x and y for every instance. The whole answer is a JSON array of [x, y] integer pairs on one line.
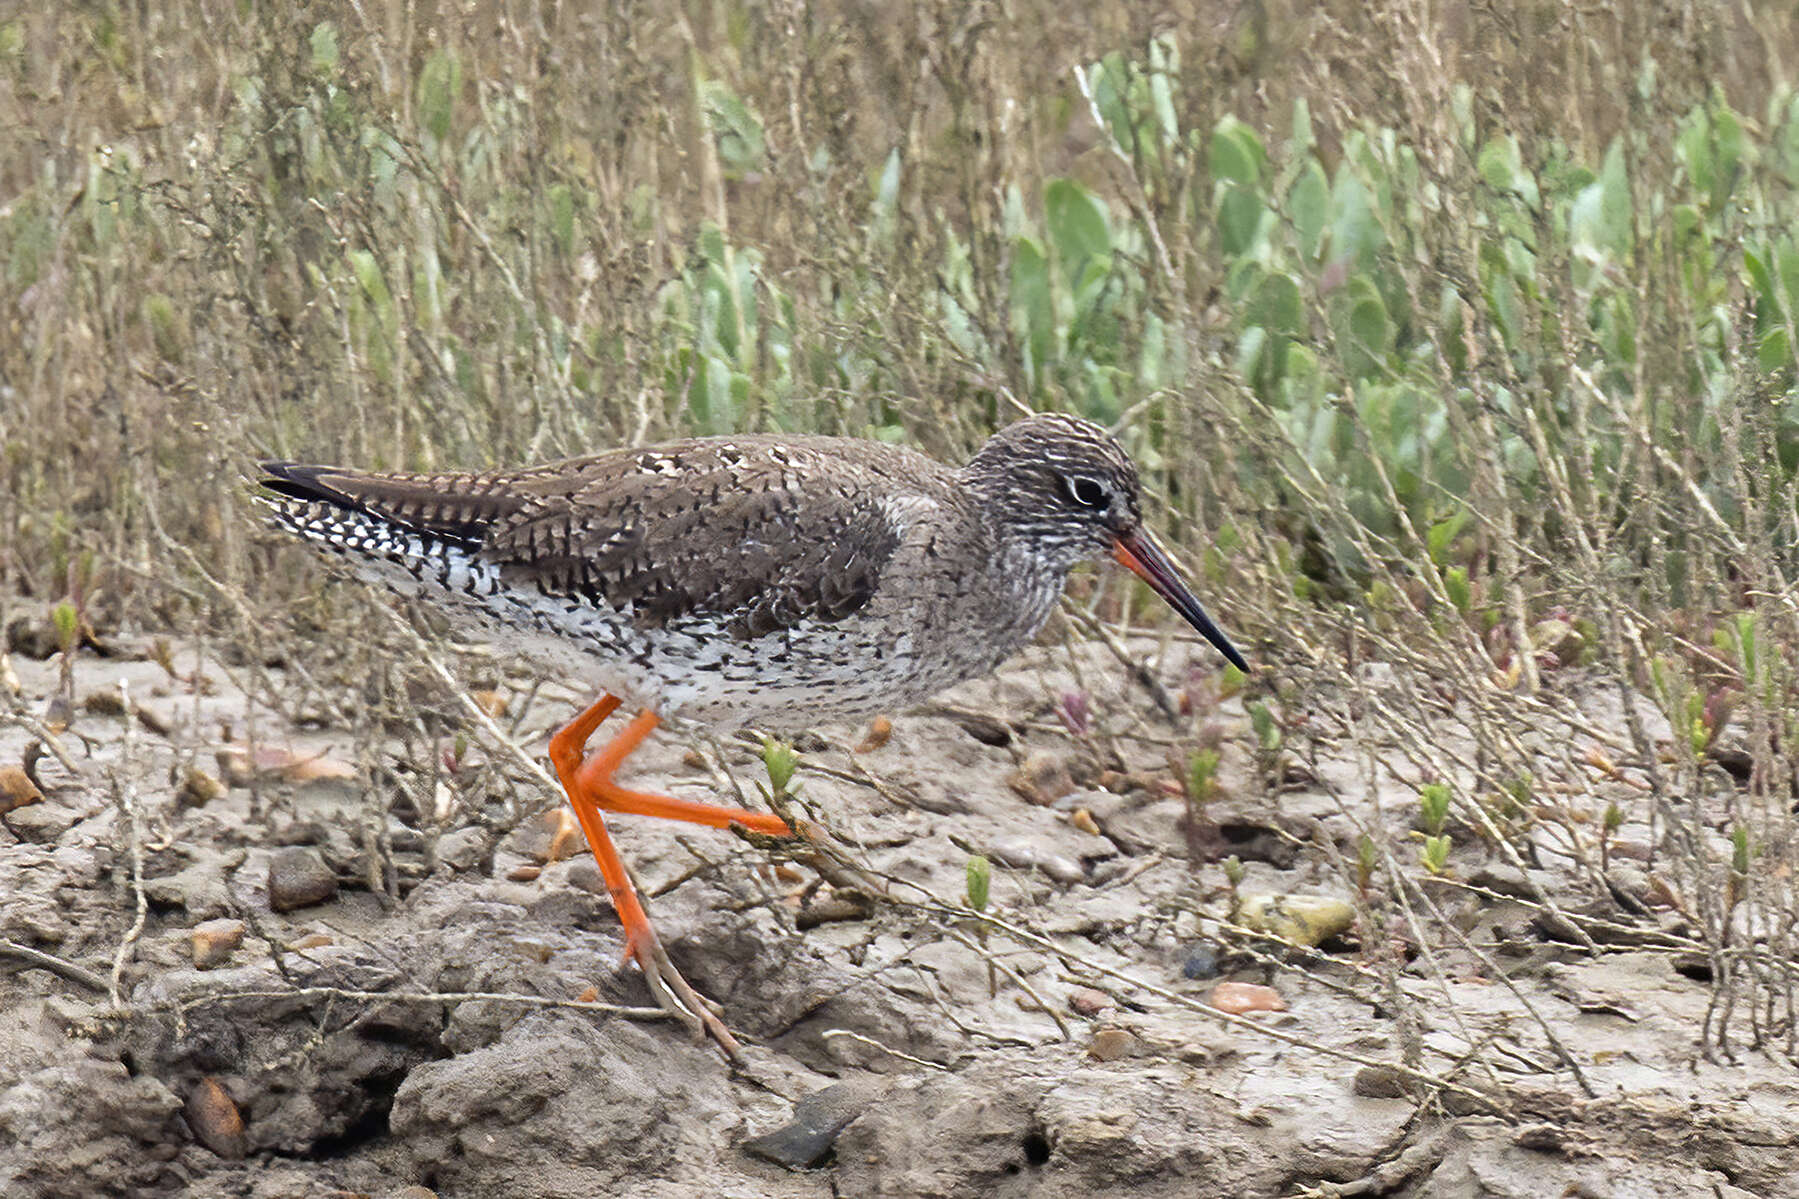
[[1145, 559]]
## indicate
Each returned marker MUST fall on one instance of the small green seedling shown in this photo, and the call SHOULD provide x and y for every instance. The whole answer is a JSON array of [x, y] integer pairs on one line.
[[1457, 587], [1367, 857], [1202, 777], [68, 627], [1433, 806], [980, 882], [1436, 854], [1741, 855], [780, 760], [1267, 729]]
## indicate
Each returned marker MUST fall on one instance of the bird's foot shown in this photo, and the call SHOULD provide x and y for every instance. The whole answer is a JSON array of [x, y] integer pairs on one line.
[[673, 993]]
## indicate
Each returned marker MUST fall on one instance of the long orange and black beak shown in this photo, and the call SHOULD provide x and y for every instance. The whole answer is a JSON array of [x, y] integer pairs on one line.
[[1147, 560]]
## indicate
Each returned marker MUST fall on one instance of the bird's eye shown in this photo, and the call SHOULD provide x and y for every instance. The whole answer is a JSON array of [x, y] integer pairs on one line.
[[1088, 493]]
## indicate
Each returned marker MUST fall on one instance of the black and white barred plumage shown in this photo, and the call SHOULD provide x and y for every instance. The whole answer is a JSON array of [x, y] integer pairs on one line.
[[746, 580]]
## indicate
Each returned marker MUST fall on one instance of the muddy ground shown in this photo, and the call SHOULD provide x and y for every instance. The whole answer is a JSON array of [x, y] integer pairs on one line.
[[911, 1040]]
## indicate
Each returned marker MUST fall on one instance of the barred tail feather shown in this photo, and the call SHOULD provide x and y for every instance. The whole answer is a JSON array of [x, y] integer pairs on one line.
[[410, 560]]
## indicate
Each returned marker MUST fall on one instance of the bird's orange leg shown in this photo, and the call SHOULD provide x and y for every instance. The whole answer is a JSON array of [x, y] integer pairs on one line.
[[568, 749], [590, 789], [595, 782]]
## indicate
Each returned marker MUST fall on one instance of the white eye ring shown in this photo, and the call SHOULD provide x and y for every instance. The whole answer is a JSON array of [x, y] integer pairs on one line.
[[1088, 493]]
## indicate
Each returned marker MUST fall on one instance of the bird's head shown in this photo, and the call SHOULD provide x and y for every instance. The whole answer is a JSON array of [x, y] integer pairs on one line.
[[1063, 490]]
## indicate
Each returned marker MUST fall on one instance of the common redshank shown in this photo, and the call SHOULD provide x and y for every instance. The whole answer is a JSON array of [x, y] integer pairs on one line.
[[748, 580]]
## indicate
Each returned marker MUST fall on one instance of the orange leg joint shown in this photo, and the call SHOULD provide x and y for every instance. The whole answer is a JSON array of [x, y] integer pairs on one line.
[[588, 781]]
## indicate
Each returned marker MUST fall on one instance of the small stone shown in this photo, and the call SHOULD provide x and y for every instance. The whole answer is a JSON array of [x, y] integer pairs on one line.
[[1083, 820], [462, 849], [310, 941], [880, 731], [17, 789], [1558, 638], [1025, 853], [32, 636], [198, 788], [988, 730], [155, 721], [491, 702], [1543, 1138], [202, 889], [413, 1192], [524, 874], [105, 702], [1043, 779], [299, 878], [1382, 1082], [1238, 998], [1089, 1002], [546, 837], [214, 941], [1111, 1043], [42, 823], [1201, 962], [1206, 1048], [590, 995], [585, 875], [215, 1119], [1301, 919], [805, 1141], [565, 840]]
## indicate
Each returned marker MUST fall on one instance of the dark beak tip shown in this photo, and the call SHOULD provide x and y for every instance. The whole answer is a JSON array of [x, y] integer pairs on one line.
[[1144, 560]]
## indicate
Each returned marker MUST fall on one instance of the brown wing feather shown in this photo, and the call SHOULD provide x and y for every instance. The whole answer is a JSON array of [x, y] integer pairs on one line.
[[703, 531], [756, 533]]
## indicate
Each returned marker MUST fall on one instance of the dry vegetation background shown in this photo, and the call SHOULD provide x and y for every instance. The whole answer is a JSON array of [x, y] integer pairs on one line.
[[1455, 337]]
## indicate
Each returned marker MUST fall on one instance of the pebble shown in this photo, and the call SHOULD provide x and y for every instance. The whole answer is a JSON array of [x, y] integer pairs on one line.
[[201, 889], [1201, 962], [490, 702], [1024, 853], [310, 941], [215, 1119], [524, 874], [198, 788], [42, 823], [1043, 779], [1557, 637], [805, 1141], [214, 940], [585, 875], [880, 731], [1301, 919], [413, 1192], [31, 636], [1111, 1043], [298, 878], [548, 837], [462, 849], [234, 766], [1382, 1082], [1089, 1002], [988, 730], [1238, 998], [17, 789]]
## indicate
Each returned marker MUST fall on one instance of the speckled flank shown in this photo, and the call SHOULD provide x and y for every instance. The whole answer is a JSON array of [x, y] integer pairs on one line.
[[741, 580]]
